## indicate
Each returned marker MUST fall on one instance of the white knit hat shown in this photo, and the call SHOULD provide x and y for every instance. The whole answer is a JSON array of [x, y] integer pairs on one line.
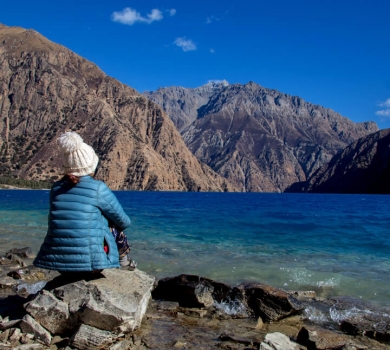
[[78, 158]]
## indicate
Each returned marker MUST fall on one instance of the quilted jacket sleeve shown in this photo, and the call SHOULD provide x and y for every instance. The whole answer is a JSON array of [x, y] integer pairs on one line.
[[111, 208]]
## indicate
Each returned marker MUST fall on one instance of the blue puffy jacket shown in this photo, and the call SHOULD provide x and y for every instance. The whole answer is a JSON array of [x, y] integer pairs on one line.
[[78, 227]]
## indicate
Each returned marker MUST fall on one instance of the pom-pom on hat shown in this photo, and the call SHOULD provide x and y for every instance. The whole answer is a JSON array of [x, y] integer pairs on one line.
[[78, 158]]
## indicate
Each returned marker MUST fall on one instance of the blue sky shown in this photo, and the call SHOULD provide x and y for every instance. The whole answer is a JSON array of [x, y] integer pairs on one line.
[[332, 53]]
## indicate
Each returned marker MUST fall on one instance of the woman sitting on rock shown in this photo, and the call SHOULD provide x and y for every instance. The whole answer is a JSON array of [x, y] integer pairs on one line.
[[86, 221]]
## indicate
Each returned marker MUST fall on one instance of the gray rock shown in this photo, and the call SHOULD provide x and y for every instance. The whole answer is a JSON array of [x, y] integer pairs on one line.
[[51, 313], [122, 345], [278, 341], [26, 338], [15, 334], [9, 324], [88, 338], [29, 325], [116, 301], [4, 336]]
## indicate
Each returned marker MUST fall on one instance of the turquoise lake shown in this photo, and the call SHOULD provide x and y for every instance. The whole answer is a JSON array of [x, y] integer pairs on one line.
[[332, 244]]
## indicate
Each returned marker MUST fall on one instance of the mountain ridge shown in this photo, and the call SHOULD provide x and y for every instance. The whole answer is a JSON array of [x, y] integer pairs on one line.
[[259, 139], [46, 89]]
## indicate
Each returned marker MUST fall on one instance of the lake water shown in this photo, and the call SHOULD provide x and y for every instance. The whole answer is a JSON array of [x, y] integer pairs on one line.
[[332, 244]]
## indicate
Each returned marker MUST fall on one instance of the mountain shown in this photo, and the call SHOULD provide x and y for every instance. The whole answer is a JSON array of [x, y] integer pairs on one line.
[[183, 104], [260, 139], [46, 89], [362, 167]]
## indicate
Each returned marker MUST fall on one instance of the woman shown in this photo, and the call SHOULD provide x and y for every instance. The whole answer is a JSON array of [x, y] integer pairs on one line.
[[82, 210]]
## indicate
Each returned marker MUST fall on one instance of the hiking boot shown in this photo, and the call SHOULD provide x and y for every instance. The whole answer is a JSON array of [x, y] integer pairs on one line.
[[127, 263]]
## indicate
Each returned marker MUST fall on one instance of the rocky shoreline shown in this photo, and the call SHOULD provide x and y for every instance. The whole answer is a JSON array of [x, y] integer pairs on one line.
[[121, 309]]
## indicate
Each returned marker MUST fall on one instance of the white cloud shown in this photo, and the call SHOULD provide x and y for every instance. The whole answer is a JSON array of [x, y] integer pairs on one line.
[[383, 112], [211, 19], [386, 111], [218, 81], [172, 12], [130, 16], [385, 104], [185, 44]]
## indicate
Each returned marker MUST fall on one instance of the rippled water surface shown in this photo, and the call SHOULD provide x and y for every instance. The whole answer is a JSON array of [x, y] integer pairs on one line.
[[333, 244]]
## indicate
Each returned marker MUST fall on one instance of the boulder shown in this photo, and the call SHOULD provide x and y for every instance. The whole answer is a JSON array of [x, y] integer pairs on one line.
[[115, 300], [187, 290], [270, 303], [247, 299], [195, 291]]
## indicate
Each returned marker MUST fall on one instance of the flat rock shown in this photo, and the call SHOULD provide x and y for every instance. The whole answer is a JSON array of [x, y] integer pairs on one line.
[[322, 339], [278, 341]]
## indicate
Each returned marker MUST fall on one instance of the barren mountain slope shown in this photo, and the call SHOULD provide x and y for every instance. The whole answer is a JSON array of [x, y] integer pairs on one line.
[[261, 139], [46, 89], [362, 167]]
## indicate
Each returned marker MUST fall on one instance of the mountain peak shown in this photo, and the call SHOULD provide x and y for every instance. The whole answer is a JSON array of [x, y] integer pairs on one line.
[[212, 85], [17, 40]]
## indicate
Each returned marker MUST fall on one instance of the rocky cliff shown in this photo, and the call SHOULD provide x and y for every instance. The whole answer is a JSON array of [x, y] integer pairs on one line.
[[362, 167], [46, 89], [183, 104], [257, 138]]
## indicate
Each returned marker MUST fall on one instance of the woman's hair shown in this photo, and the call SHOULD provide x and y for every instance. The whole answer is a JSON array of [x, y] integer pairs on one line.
[[72, 179]]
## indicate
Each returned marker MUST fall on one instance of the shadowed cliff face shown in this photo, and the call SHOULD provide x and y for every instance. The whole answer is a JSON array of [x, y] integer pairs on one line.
[[45, 89], [259, 139], [362, 167]]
